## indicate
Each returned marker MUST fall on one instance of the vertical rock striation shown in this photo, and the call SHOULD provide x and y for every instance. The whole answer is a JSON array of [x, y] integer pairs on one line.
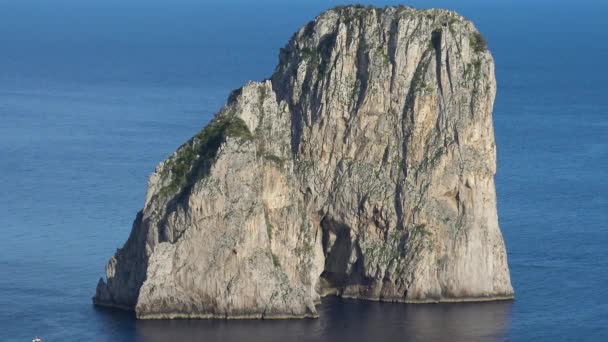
[[364, 167]]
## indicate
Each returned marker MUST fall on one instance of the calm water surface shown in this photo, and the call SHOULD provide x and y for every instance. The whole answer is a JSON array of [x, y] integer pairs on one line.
[[94, 94]]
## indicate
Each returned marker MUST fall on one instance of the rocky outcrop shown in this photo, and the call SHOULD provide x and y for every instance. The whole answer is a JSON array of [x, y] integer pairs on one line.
[[362, 168]]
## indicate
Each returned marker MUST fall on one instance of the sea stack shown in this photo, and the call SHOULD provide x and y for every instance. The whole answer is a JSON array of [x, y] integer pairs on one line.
[[363, 168]]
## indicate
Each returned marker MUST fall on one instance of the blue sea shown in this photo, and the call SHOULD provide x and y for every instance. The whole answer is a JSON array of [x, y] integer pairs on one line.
[[93, 94]]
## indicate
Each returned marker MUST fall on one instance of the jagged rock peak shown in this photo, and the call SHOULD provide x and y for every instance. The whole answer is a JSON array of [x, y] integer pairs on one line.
[[364, 167]]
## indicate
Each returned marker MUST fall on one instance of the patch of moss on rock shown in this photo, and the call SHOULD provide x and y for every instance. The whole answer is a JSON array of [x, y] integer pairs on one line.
[[202, 149], [478, 42], [280, 162], [275, 260]]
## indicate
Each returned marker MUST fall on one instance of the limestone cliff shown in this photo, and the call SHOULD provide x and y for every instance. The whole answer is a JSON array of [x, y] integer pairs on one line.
[[363, 168]]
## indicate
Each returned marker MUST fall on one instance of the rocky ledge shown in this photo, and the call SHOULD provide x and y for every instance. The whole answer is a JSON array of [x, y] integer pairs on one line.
[[363, 168]]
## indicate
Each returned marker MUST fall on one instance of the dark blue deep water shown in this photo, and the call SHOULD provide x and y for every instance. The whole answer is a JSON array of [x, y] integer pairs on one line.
[[93, 94]]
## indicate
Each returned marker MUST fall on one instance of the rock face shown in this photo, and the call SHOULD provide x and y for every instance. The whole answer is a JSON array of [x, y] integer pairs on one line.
[[362, 168]]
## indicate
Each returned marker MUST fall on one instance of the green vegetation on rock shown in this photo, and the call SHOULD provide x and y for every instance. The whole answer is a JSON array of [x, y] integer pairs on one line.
[[280, 162], [202, 147], [275, 260], [478, 42]]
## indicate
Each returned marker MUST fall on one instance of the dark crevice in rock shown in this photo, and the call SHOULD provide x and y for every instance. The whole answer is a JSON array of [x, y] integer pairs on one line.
[[340, 273], [392, 49], [296, 120], [399, 206], [337, 246], [362, 71], [323, 58], [385, 155], [436, 41], [448, 69]]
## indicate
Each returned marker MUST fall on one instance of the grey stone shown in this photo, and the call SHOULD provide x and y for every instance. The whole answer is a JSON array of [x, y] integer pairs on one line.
[[364, 167]]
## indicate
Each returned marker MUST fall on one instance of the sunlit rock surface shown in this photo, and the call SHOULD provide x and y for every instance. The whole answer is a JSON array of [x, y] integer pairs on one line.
[[364, 167]]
